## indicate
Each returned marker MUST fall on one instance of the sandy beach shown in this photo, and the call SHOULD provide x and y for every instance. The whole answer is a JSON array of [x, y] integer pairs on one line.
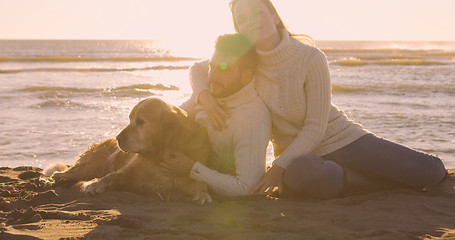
[[31, 209]]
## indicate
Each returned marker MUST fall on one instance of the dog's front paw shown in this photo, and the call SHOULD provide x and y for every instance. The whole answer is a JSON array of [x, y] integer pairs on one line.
[[94, 186], [202, 198]]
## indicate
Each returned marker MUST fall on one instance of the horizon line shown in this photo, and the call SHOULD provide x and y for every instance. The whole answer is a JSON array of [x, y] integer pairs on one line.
[[164, 40]]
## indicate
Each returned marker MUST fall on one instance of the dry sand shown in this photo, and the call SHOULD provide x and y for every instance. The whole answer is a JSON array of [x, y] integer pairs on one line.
[[30, 209]]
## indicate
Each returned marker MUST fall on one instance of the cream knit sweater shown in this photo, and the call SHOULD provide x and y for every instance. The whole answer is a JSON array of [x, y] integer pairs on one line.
[[293, 80], [240, 148]]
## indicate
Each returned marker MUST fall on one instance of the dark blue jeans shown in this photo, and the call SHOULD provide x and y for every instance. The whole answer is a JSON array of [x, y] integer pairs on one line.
[[367, 163]]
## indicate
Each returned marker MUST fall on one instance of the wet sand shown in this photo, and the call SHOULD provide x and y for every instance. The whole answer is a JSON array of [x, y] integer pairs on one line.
[[32, 209]]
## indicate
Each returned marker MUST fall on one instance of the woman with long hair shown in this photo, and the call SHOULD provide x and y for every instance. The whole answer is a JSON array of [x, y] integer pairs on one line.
[[319, 151]]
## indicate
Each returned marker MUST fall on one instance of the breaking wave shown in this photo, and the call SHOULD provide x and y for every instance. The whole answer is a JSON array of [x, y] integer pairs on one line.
[[46, 92], [161, 67], [90, 59], [352, 61], [55, 103], [447, 88]]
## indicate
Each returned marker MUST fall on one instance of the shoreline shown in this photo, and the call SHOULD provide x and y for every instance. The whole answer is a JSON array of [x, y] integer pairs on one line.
[[30, 209]]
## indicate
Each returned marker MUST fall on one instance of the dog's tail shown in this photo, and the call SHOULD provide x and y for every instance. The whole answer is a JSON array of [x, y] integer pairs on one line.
[[55, 167]]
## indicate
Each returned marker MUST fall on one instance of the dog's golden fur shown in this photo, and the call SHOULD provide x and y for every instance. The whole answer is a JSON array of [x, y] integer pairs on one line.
[[131, 162]]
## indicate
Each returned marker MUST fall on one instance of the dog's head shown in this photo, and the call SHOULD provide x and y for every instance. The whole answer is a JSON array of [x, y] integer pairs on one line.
[[152, 124]]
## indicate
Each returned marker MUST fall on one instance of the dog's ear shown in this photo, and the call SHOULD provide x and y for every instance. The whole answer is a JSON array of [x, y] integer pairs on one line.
[[170, 123], [169, 119], [174, 118]]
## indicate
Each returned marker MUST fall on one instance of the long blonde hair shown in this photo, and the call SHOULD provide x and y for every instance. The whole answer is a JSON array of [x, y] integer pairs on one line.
[[307, 39]]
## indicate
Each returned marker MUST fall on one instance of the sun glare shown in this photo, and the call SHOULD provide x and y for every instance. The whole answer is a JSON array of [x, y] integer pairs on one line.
[[186, 30], [189, 47]]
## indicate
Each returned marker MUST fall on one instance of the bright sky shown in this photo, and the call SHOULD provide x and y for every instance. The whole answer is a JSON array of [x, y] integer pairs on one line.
[[200, 21]]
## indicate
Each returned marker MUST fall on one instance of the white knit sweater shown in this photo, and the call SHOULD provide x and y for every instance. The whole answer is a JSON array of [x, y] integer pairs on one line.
[[240, 148], [293, 80]]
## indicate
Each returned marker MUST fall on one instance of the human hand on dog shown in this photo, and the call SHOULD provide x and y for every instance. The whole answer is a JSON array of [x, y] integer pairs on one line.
[[176, 164], [217, 115]]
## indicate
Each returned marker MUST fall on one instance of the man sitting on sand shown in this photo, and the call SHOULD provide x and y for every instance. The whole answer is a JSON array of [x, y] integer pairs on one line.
[[240, 148]]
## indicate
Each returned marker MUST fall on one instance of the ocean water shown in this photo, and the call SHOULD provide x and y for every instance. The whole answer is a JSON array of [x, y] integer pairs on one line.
[[59, 97]]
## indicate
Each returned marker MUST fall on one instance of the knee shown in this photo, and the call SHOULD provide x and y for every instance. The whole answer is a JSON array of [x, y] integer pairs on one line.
[[435, 172], [311, 175]]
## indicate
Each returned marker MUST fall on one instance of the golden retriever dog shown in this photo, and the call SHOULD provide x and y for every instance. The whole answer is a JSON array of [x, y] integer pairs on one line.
[[131, 162]]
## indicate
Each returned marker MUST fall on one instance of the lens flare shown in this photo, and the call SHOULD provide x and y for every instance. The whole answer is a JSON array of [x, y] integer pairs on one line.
[[223, 66]]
